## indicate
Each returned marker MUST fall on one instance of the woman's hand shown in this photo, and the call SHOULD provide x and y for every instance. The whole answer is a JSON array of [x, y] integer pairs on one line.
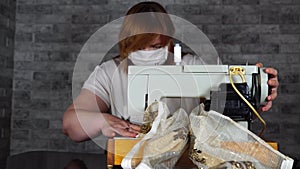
[[273, 84], [114, 125]]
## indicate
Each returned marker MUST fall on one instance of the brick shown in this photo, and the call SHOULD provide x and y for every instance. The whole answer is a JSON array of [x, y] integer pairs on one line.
[[40, 104], [20, 103], [240, 10], [26, 2], [228, 48], [19, 145], [290, 29], [64, 9], [46, 114], [46, 37], [21, 113], [214, 38], [240, 19], [51, 76], [52, 46], [290, 48], [270, 18], [260, 48], [22, 75], [41, 93], [76, 28], [212, 29], [47, 134], [180, 10], [90, 2], [199, 2], [38, 85], [212, 9], [31, 124], [289, 109], [57, 144], [61, 95], [241, 2], [25, 18], [90, 19], [60, 105], [93, 9], [289, 19], [54, 2], [34, 9], [24, 27], [61, 85], [232, 58], [241, 38], [23, 37], [290, 77], [280, 38], [276, 2], [22, 94], [55, 124], [290, 9], [30, 66], [80, 37], [20, 134], [23, 56], [62, 66], [76, 147], [261, 29], [43, 28], [205, 19], [52, 19], [53, 56]]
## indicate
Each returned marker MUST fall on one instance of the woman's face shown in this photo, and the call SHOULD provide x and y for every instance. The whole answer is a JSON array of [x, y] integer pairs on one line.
[[155, 44]]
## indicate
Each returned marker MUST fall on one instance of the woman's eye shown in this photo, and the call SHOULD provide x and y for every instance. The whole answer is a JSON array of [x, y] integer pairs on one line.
[[157, 46]]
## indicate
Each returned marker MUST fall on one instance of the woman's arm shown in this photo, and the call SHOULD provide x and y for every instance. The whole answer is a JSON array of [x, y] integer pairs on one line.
[[88, 116]]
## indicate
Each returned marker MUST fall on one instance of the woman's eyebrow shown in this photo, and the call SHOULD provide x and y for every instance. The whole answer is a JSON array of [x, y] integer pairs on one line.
[[156, 44]]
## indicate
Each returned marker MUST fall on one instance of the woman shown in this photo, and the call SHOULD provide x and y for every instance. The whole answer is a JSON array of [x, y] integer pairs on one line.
[[101, 104]]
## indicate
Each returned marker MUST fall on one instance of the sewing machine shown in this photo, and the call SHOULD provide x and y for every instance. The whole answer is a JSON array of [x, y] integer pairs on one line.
[[210, 83]]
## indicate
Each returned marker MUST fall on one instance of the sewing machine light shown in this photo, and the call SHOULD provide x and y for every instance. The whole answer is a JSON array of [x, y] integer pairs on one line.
[[177, 54]]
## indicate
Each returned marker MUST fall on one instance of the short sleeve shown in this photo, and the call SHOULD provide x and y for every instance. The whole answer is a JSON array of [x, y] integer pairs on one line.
[[189, 59], [99, 83]]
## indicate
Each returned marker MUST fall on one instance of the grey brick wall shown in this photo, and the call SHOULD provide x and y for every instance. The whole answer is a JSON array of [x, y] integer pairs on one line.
[[7, 28], [50, 33]]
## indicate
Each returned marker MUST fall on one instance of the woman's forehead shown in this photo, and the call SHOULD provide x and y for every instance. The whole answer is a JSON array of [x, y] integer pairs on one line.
[[157, 40]]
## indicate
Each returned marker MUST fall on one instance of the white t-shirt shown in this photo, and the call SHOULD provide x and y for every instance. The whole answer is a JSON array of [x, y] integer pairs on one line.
[[109, 82]]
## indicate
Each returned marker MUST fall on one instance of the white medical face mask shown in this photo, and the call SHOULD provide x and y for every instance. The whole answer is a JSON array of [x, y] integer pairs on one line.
[[149, 57]]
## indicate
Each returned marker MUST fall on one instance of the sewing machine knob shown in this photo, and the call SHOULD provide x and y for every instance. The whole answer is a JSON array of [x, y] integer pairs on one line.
[[264, 87]]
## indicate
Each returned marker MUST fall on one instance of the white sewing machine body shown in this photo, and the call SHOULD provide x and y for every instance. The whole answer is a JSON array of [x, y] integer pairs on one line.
[[147, 84]]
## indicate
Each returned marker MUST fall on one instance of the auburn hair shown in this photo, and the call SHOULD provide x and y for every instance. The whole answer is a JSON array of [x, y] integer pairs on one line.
[[143, 23]]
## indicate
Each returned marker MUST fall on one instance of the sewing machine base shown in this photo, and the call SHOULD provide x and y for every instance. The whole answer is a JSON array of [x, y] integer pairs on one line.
[[117, 148]]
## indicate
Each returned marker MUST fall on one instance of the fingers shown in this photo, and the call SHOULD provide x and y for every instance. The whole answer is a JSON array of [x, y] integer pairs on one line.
[[135, 127], [271, 71], [259, 65], [267, 106], [115, 126], [273, 82]]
